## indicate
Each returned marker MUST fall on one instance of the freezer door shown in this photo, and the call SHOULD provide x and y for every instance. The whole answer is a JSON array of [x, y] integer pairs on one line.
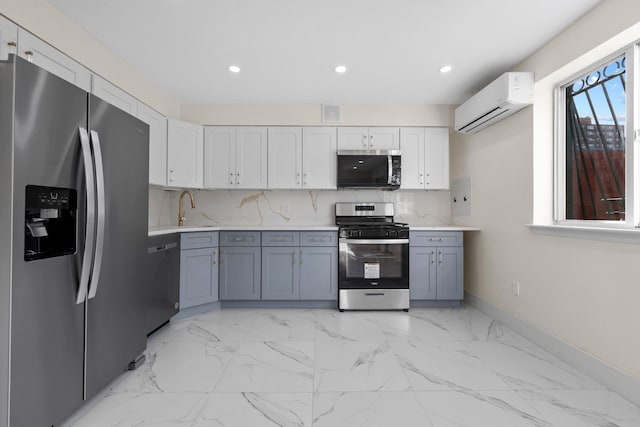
[[116, 331], [47, 326]]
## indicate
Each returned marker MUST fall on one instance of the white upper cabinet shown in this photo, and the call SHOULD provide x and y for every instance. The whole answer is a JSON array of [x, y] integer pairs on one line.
[[219, 157], [374, 138], [436, 158], [302, 158], [353, 138], [412, 149], [114, 95], [8, 38], [157, 144], [156, 121], [285, 157], [251, 157], [425, 158], [40, 53], [235, 157], [384, 138], [319, 158], [184, 154]]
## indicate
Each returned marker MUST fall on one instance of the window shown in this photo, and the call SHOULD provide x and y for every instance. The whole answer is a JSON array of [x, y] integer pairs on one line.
[[595, 163]]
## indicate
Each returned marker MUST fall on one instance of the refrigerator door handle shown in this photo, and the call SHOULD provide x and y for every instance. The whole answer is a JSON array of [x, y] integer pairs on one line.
[[101, 214], [87, 259]]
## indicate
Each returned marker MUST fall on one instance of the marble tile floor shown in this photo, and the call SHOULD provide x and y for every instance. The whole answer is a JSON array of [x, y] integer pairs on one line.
[[295, 367]]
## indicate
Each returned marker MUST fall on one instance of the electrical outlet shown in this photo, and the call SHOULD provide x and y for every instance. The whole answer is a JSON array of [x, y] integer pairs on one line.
[[515, 287]]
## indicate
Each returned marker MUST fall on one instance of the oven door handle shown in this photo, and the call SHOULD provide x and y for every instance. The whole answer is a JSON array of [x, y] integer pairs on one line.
[[375, 241]]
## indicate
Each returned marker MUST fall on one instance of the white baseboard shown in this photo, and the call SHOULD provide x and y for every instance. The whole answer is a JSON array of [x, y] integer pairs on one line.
[[608, 376]]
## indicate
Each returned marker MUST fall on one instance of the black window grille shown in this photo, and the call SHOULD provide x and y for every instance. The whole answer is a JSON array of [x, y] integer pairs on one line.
[[595, 144]]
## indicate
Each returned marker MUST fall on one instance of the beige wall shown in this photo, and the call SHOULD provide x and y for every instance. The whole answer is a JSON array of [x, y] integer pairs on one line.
[[46, 22], [311, 114], [584, 292]]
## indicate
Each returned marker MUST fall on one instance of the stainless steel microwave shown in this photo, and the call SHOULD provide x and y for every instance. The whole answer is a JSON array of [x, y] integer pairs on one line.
[[369, 169]]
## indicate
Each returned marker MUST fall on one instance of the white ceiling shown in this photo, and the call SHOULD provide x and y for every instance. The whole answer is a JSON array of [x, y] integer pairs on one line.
[[287, 49]]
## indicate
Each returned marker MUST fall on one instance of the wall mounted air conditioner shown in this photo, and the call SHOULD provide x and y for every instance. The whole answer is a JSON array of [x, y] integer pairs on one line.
[[507, 94]]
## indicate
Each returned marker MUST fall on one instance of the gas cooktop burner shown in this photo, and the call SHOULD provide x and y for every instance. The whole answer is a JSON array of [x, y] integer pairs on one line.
[[369, 220], [371, 224]]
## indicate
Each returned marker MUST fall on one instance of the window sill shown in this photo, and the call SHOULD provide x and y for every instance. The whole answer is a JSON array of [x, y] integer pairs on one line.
[[626, 235]]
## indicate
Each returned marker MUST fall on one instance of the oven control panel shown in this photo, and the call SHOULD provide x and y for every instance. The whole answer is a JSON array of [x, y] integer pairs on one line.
[[375, 233]]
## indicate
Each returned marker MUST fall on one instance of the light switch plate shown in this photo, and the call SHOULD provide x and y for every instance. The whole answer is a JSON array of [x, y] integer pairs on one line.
[[461, 196]]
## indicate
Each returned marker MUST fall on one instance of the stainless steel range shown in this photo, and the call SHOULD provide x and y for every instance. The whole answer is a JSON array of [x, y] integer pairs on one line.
[[373, 270]]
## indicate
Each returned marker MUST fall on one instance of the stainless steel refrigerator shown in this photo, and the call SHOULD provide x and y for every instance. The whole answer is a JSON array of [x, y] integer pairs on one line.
[[73, 230]]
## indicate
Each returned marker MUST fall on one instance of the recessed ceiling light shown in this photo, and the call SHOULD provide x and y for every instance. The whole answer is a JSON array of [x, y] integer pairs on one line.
[[340, 69], [446, 69], [234, 68]]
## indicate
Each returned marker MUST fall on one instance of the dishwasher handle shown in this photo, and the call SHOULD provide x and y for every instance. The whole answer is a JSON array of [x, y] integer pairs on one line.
[[162, 248]]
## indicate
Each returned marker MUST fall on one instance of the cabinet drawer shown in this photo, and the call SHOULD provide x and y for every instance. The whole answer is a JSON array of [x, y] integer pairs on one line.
[[205, 239], [280, 238], [318, 238], [435, 238], [240, 238]]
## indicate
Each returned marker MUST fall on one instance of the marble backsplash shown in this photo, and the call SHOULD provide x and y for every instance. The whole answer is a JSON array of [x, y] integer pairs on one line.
[[292, 207]]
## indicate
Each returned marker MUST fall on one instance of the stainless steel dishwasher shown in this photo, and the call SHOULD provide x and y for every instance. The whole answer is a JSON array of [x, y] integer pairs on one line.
[[162, 288]]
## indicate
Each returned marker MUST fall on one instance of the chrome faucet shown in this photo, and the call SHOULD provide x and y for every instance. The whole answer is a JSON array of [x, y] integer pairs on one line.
[[181, 216]]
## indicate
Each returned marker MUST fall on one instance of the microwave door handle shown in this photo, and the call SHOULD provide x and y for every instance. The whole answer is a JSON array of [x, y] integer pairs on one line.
[[87, 258], [390, 170], [100, 193]]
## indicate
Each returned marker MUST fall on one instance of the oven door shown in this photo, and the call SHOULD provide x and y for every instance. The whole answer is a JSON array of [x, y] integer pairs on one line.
[[373, 263]]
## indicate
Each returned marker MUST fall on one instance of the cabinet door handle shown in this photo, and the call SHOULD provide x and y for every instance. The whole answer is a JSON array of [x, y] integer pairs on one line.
[[231, 178], [29, 55], [428, 179], [421, 179], [364, 140], [440, 261], [433, 257], [170, 175], [298, 178], [12, 47], [214, 258], [304, 178]]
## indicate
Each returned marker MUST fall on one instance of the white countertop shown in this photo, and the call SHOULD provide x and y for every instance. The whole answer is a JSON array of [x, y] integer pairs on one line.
[[157, 231]]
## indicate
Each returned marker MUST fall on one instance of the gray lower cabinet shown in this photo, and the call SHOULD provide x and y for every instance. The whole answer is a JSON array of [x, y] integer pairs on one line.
[[198, 268], [299, 265], [280, 273], [318, 273], [436, 265], [240, 265], [422, 272], [250, 265]]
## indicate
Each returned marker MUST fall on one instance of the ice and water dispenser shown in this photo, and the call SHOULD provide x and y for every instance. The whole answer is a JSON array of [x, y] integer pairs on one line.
[[50, 222]]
